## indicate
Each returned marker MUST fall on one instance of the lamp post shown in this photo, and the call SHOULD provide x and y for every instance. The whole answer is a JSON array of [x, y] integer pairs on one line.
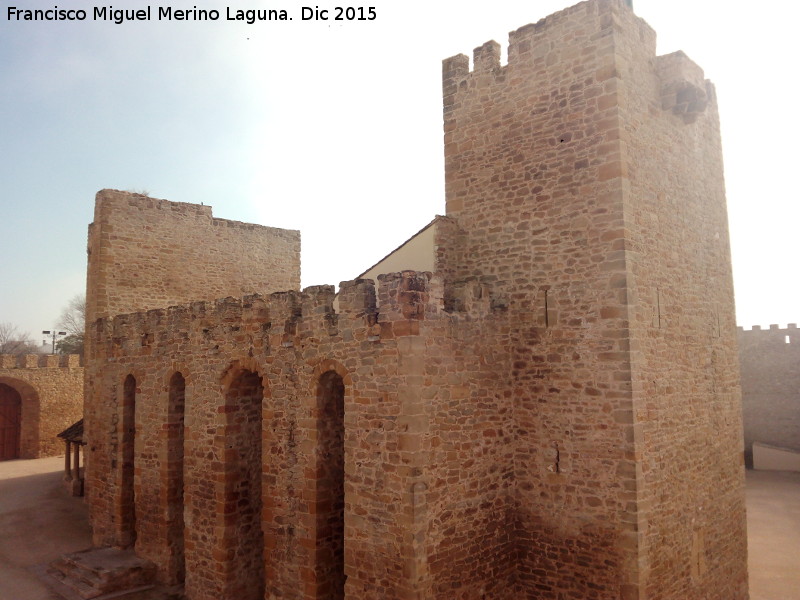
[[54, 334]]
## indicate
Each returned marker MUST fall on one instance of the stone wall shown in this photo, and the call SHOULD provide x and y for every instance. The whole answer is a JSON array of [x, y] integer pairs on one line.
[[424, 444], [770, 364], [51, 392], [553, 413], [147, 253], [685, 376]]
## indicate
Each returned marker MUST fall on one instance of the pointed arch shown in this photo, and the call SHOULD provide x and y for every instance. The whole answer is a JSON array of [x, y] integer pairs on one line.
[[10, 422], [20, 419]]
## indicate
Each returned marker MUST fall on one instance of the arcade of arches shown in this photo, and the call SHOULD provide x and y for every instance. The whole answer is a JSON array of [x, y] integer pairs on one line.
[[246, 419]]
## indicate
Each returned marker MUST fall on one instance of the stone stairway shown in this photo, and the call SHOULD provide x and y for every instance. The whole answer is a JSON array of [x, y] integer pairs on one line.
[[106, 573]]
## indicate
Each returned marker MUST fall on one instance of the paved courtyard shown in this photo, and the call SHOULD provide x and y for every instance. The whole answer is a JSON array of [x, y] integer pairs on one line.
[[773, 535], [39, 522]]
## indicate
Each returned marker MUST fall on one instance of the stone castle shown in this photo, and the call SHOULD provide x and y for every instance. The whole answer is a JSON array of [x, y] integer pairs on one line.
[[553, 411]]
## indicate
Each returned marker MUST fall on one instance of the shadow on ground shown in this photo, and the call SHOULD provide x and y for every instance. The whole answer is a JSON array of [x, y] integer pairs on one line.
[[40, 521]]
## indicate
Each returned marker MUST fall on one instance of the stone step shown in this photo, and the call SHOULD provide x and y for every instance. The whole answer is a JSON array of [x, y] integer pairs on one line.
[[100, 572], [70, 589], [79, 589]]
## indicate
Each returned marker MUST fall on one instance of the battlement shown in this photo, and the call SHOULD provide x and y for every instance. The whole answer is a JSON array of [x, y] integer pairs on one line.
[[790, 328], [40, 361], [549, 42], [545, 42], [785, 336], [378, 311]]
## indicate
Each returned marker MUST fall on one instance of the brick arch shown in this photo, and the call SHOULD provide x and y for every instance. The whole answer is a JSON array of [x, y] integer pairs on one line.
[[30, 415], [176, 367], [237, 367], [329, 364]]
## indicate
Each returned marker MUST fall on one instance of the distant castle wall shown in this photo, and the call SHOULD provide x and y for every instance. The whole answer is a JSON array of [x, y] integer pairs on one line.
[[770, 366], [147, 253], [50, 391]]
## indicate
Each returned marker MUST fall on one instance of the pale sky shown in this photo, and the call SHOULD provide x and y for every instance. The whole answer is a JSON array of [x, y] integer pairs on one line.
[[334, 129]]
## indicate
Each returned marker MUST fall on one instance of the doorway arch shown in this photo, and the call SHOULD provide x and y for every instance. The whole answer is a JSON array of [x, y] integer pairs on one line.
[[10, 422], [20, 420]]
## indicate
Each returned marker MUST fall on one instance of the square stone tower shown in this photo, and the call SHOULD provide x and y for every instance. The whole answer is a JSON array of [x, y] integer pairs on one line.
[[586, 179]]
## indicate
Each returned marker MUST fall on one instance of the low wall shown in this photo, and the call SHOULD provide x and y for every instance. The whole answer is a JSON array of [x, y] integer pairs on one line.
[[50, 391]]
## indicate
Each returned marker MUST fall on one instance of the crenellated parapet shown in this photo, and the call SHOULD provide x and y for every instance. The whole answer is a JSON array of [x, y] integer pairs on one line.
[[40, 361], [775, 337], [47, 390], [535, 48], [773, 328], [538, 46], [392, 308]]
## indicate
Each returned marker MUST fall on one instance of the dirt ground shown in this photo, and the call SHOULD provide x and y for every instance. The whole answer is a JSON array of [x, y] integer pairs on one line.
[[773, 535], [39, 521]]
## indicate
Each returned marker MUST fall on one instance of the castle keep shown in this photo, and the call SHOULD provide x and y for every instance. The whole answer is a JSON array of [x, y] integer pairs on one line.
[[552, 412]]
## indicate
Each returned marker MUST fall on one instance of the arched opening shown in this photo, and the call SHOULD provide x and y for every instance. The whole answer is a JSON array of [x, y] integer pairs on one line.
[[10, 422], [330, 486], [243, 504], [20, 419], [127, 491], [176, 408]]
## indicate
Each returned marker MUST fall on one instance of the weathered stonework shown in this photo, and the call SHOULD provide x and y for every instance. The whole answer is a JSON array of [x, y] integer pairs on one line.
[[770, 365], [554, 412], [49, 393], [148, 253]]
